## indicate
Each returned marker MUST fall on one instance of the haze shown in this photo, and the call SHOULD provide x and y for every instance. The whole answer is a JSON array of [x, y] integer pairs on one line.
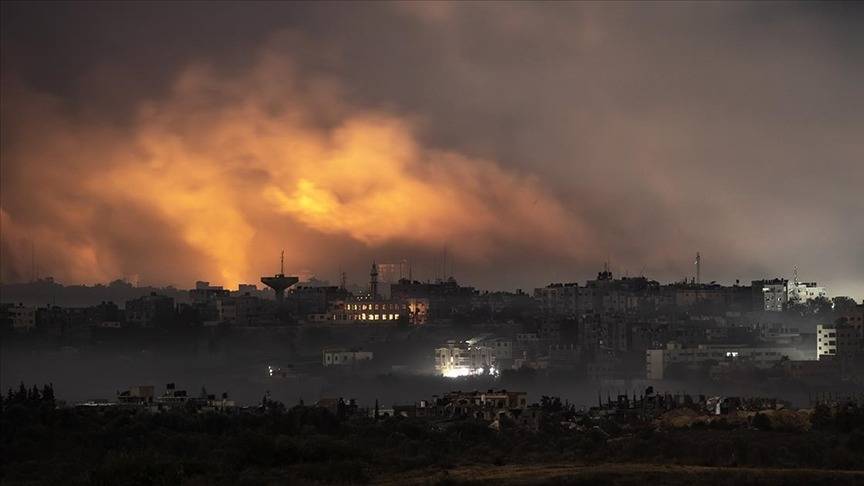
[[533, 142]]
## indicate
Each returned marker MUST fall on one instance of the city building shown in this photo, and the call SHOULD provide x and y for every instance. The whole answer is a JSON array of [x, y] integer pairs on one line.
[[476, 356], [344, 357], [204, 293], [558, 299], [150, 310], [802, 292], [365, 310], [370, 308], [770, 295], [444, 299], [657, 361], [489, 405], [842, 339], [137, 395], [242, 310], [21, 318]]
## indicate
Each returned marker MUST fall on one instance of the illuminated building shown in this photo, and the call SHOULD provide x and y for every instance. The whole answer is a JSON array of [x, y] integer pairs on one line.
[[418, 311], [475, 356], [368, 311], [370, 308], [771, 295]]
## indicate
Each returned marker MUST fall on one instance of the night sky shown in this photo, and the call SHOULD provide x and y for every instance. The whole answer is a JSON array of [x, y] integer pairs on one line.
[[166, 142]]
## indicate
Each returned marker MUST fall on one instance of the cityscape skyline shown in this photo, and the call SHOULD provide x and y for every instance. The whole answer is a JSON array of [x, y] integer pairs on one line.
[[649, 135], [434, 273], [431, 242]]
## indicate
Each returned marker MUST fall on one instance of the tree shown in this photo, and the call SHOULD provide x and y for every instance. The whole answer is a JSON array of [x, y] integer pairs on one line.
[[762, 422], [48, 393], [844, 305]]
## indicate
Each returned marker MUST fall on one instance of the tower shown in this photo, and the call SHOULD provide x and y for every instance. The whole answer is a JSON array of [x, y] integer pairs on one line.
[[373, 281], [698, 268], [280, 282]]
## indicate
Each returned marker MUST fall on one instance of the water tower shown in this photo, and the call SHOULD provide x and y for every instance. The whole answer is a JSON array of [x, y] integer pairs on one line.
[[280, 282]]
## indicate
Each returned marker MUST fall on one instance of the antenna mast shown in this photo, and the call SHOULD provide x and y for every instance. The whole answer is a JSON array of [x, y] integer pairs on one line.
[[32, 261], [698, 268], [282, 263]]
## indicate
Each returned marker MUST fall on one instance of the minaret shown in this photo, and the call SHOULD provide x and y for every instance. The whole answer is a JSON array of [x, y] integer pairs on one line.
[[698, 268], [373, 281]]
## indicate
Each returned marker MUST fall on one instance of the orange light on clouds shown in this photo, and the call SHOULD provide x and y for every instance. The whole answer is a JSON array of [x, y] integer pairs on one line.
[[224, 162]]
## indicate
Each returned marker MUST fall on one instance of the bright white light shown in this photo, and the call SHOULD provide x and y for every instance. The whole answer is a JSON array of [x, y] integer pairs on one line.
[[459, 371], [270, 370], [456, 371]]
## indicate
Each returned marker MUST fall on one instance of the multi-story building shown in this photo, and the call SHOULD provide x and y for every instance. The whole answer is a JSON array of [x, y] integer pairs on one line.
[[657, 361], [840, 340], [685, 295], [770, 295], [418, 311], [487, 405], [445, 299], [21, 318], [801, 292], [366, 310], [150, 310], [472, 357], [345, 357], [308, 301], [558, 299], [370, 308], [242, 310], [204, 293]]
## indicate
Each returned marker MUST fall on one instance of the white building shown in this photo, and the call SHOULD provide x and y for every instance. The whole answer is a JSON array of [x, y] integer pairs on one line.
[[801, 292], [658, 360], [472, 357], [826, 341], [345, 357], [839, 340]]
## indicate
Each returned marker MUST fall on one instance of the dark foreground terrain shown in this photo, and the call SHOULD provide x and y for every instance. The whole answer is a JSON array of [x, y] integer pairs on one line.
[[43, 443]]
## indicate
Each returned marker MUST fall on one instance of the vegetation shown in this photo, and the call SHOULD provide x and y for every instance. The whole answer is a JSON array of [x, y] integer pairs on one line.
[[45, 444]]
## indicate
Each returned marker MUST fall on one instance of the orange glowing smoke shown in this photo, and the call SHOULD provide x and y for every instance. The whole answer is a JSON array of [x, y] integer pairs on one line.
[[231, 168]]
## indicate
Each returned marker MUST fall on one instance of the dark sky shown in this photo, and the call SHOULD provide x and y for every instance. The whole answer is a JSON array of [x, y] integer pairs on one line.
[[167, 142]]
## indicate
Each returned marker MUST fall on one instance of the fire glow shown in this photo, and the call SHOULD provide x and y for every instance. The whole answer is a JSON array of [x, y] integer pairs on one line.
[[223, 171]]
